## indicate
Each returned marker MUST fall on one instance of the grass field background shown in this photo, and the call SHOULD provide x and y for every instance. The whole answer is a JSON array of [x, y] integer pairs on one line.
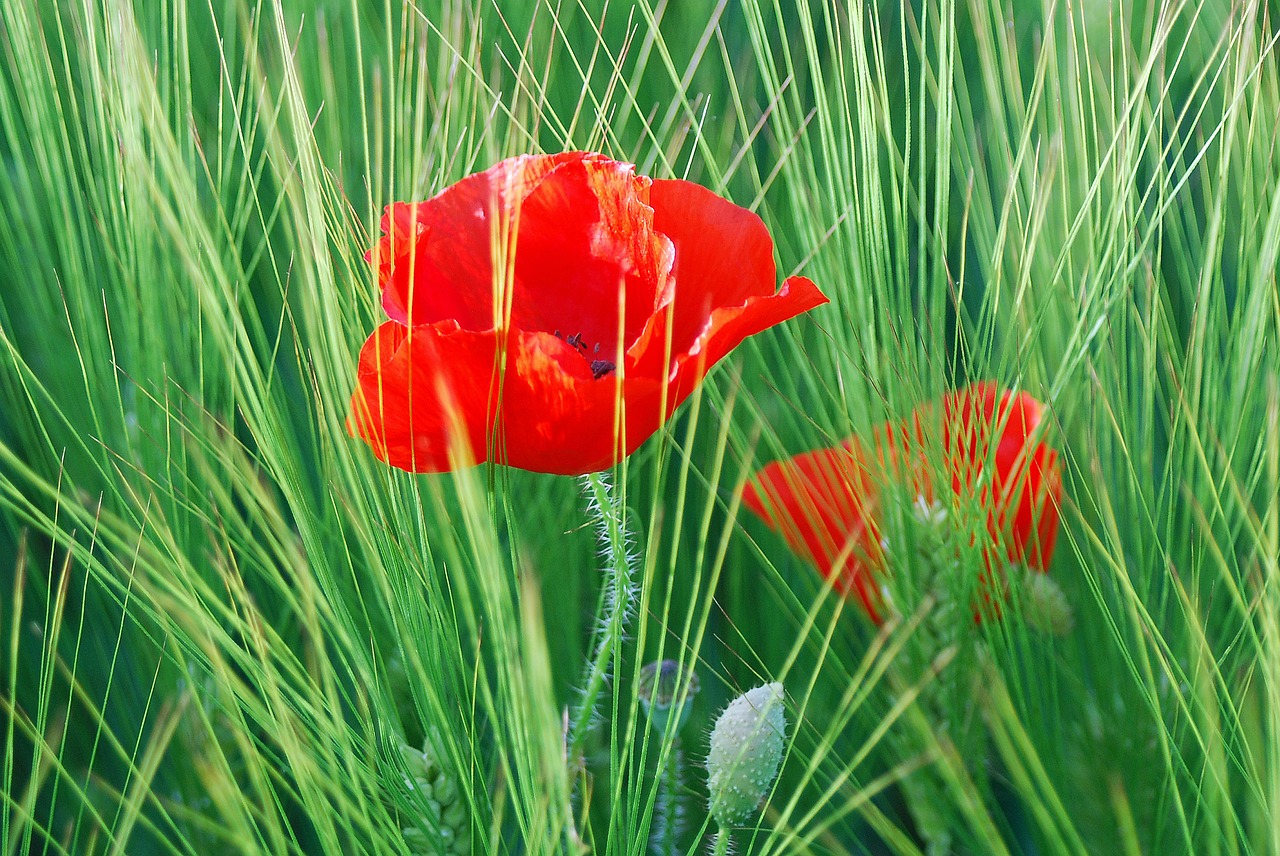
[[222, 620]]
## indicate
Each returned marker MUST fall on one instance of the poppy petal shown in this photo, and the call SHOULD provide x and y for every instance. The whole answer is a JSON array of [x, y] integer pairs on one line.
[[587, 250], [728, 326], [560, 418], [721, 289], [723, 256], [421, 398], [1028, 482], [435, 260], [530, 298], [824, 505], [821, 509], [723, 260]]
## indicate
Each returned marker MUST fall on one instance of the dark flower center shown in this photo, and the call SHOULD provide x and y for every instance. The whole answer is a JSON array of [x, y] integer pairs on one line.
[[599, 367]]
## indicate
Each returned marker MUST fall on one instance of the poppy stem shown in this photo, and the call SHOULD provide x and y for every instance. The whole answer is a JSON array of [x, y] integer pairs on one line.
[[668, 810], [619, 593]]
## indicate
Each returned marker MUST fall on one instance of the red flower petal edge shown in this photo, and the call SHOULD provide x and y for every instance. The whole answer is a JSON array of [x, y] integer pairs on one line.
[[827, 503], [551, 312]]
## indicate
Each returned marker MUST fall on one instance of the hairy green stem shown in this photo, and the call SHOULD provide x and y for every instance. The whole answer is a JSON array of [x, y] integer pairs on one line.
[[668, 812], [607, 512]]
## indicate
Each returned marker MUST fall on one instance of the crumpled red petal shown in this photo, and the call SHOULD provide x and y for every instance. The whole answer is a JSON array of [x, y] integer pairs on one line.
[[723, 271], [554, 311], [435, 260], [729, 326], [422, 395], [588, 249], [824, 501], [559, 418], [426, 402], [1028, 485], [824, 504]]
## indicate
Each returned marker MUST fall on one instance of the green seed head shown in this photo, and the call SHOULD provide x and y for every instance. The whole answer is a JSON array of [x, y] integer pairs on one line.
[[445, 824], [746, 749], [1046, 606]]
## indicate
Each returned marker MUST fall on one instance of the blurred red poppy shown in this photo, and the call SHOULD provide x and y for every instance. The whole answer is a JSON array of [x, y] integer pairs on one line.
[[828, 503], [551, 312]]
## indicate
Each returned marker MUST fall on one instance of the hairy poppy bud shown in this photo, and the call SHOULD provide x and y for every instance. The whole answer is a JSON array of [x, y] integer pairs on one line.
[[666, 694], [746, 749]]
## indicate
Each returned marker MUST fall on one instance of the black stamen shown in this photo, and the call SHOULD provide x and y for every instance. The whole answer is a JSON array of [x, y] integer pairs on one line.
[[599, 368]]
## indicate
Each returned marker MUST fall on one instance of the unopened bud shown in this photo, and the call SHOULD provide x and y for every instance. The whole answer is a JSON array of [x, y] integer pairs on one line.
[[746, 750], [666, 694]]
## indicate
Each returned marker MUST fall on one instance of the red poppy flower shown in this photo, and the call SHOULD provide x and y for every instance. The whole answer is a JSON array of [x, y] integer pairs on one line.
[[827, 503], [551, 312]]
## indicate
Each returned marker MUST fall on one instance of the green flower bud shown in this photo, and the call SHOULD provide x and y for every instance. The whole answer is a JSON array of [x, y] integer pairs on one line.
[[746, 750], [660, 687]]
